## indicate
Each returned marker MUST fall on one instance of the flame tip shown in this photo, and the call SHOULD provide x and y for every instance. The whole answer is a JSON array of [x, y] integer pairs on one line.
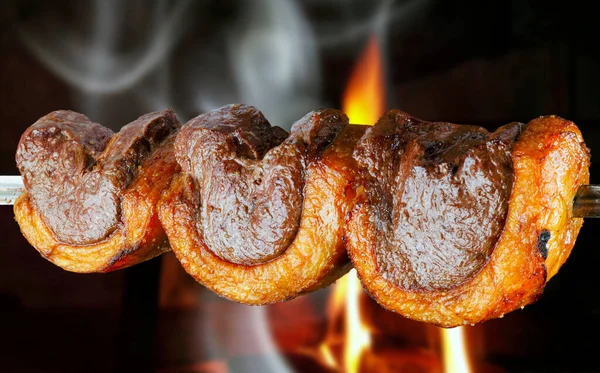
[[364, 97]]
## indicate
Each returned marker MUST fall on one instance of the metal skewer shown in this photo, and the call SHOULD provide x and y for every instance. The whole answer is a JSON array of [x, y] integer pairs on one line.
[[586, 203], [11, 187]]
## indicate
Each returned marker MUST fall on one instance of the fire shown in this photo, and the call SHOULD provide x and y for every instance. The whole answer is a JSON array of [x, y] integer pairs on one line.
[[364, 97], [358, 337], [454, 349], [335, 309], [345, 301]]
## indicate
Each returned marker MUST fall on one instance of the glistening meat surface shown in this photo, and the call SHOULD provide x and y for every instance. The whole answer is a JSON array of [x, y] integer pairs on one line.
[[90, 204], [456, 225], [439, 195], [257, 215]]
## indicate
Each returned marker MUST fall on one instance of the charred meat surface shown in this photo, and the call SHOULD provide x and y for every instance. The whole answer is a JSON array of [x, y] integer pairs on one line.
[[457, 226], [91, 195], [251, 178], [75, 170], [439, 193], [257, 215], [542, 243]]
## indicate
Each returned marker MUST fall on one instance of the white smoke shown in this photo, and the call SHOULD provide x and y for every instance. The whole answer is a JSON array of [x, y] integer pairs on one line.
[[91, 64]]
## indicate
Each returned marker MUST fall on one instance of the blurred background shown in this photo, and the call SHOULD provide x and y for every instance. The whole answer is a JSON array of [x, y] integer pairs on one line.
[[465, 61]]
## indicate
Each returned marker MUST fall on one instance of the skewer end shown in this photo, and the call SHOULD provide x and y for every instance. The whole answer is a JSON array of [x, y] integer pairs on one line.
[[11, 188], [586, 203]]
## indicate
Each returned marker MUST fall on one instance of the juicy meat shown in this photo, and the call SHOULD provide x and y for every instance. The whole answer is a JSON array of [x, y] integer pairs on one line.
[[75, 170], [490, 262], [257, 216], [440, 194], [251, 202], [250, 177], [90, 200]]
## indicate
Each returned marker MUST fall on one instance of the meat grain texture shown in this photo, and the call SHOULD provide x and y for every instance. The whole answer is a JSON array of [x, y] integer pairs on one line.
[[91, 195], [471, 229], [257, 215]]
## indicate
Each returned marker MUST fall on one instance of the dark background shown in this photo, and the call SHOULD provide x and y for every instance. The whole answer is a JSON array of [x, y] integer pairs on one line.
[[475, 62]]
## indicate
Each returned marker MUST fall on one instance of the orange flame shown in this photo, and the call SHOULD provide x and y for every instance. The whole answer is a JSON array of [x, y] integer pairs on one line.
[[364, 98], [335, 308], [454, 350], [358, 336]]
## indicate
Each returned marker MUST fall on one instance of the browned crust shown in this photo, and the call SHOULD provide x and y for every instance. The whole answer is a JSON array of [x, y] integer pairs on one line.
[[316, 257], [139, 236], [550, 162]]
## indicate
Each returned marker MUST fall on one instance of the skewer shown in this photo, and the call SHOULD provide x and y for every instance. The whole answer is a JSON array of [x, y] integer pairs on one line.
[[586, 203], [11, 187]]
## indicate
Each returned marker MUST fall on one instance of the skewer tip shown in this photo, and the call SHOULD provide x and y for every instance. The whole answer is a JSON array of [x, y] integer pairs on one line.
[[11, 188]]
